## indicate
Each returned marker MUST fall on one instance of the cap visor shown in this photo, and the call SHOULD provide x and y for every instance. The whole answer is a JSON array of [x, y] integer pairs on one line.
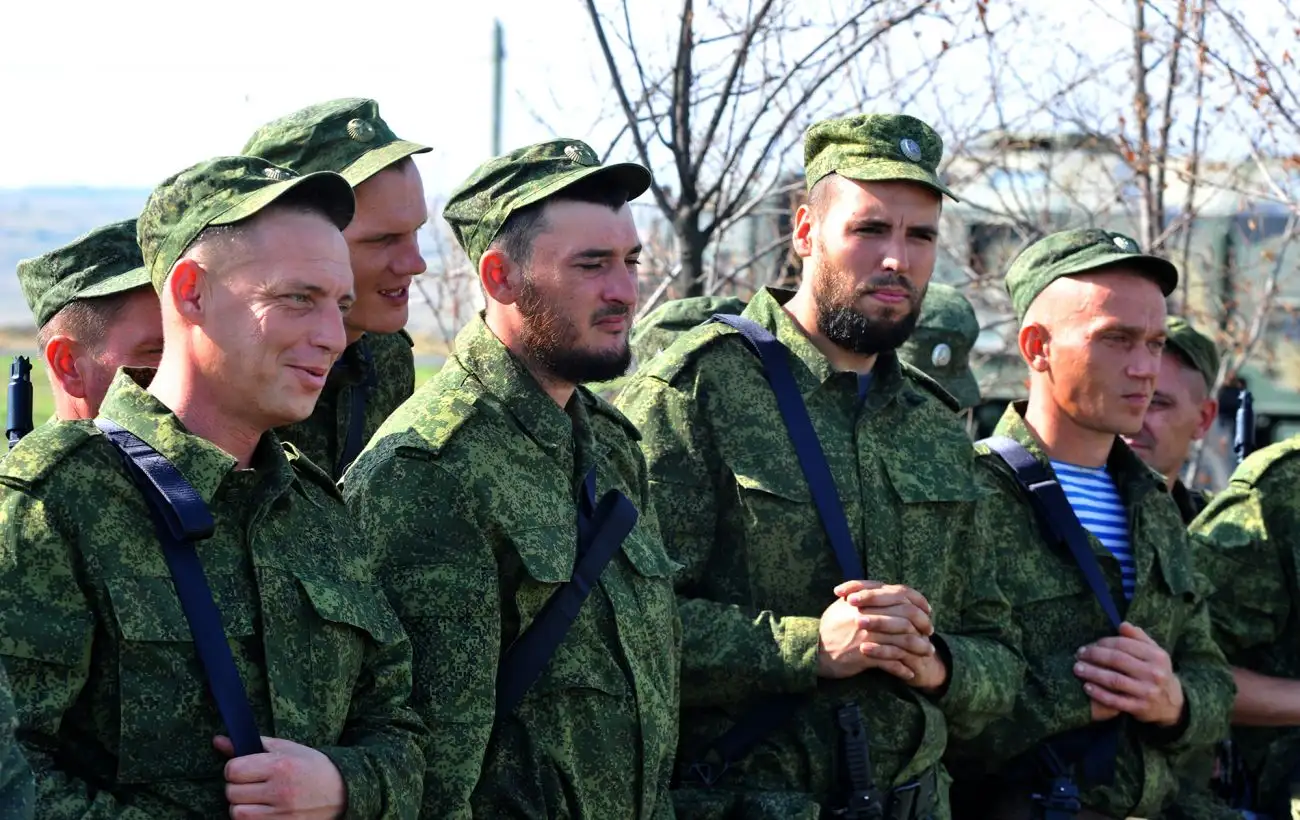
[[891, 171], [117, 283], [330, 191], [372, 162], [1162, 271], [632, 178]]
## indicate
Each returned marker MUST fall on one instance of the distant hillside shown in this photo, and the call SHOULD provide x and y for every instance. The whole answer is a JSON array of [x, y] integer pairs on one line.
[[35, 220]]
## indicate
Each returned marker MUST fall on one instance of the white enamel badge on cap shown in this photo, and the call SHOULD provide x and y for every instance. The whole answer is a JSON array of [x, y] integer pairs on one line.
[[910, 149], [941, 355]]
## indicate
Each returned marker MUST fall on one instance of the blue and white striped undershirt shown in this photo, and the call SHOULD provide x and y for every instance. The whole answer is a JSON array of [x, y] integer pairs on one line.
[[1095, 499]]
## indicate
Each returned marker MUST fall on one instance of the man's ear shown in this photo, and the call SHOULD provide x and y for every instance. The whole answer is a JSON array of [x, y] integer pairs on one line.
[[186, 286], [801, 238], [62, 358], [1209, 413], [1035, 345], [500, 276]]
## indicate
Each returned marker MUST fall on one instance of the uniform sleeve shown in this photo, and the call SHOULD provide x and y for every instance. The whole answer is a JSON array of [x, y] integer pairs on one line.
[[1231, 541], [986, 667], [16, 785], [46, 636], [728, 654], [439, 573], [380, 752], [1207, 682]]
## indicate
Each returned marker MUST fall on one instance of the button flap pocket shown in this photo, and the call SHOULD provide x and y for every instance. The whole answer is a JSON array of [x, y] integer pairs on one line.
[[147, 608], [648, 556], [352, 604], [769, 473], [922, 480], [547, 552]]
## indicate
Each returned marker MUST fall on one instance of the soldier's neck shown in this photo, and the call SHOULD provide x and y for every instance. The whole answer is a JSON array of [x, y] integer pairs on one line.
[[202, 413], [1062, 438], [803, 310]]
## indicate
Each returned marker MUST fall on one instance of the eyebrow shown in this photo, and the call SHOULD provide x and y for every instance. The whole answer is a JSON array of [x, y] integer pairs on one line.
[[604, 253]]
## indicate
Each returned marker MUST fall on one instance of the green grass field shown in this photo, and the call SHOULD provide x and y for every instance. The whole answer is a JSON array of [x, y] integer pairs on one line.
[[43, 402]]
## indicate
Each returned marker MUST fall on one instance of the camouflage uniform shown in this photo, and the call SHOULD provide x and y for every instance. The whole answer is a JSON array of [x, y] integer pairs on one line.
[[112, 699], [348, 137], [1057, 611], [470, 488], [735, 509], [16, 787], [1246, 542], [111, 696]]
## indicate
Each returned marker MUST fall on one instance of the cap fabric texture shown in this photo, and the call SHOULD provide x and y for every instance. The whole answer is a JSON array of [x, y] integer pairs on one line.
[[103, 262], [941, 344], [875, 148], [1194, 346]]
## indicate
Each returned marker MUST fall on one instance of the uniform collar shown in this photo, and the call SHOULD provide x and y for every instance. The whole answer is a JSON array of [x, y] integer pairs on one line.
[[202, 463]]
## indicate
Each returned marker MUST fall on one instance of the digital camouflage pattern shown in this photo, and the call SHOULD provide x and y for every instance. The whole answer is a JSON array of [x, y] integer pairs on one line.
[[874, 148], [102, 262], [346, 136], [1194, 347], [470, 490], [381, 367], [480, 205], [1246, 542], [1058, 614], [658, 329], [940, 346], [112, 700], [1190, 502], [16, 786], [1067, 253], [223, 191], [759, 571]]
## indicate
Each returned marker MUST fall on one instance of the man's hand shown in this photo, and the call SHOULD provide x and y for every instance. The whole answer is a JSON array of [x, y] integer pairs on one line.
[[1131, 673], [896, 615], [287, 780], [846, 649]]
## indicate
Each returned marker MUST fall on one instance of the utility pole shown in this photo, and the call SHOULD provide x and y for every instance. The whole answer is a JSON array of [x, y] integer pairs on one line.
[[498, 65]]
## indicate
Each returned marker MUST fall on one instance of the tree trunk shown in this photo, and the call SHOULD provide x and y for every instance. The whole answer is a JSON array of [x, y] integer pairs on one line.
[[691, 245]]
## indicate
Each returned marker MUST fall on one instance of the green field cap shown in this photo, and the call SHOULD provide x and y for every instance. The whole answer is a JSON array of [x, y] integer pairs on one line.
[[941, 344], [481, 204], [223, 191], [345, 136], [1082, 250], [874, 148], [1194, 346], [100, 263]]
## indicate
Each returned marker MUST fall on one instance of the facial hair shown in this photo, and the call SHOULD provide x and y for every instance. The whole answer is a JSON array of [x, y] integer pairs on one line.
[[553, 341], [846, 327]]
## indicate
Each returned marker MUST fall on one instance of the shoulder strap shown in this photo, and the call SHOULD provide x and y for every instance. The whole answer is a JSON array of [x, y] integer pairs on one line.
[[1056, 516], [602, 529], [359, 395], [776, 365], [181, 518]]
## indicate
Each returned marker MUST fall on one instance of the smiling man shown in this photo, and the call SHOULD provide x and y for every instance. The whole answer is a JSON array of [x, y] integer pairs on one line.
[[377, 371], [95, 312], [1182, 411], [1123, 675], [790, 669], [176, 578], [502, 479]]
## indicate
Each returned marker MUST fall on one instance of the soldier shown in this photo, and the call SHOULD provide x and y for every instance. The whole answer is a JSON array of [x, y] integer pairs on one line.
[[1246, 543], [1113, 700], [377, 372], [942, 342], [115, 625], [16, 787], [1183, 410], [482, 491], [95, 312], [782, 662]]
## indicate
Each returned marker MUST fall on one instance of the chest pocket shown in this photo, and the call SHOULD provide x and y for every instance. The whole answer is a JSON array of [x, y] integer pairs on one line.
[[1176, 583], [166, 718], [353, 618]]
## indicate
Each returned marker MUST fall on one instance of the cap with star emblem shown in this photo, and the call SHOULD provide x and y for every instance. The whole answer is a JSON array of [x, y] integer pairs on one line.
[[223, 191], [481, 204], [941, 344], [874, 148], [102, 262], [345, 136], [1082, 250]]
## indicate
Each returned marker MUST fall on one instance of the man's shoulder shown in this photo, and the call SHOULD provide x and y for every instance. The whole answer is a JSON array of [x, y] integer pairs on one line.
[[43, 452], [1279, 462], [698, 349]]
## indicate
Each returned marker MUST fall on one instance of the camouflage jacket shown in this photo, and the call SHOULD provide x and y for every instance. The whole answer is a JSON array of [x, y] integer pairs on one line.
[[471, 488], [386, 382], [759, 571], [1190, 502], [1246, 542], [112, 699], [16, 787], [1058, 614]]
